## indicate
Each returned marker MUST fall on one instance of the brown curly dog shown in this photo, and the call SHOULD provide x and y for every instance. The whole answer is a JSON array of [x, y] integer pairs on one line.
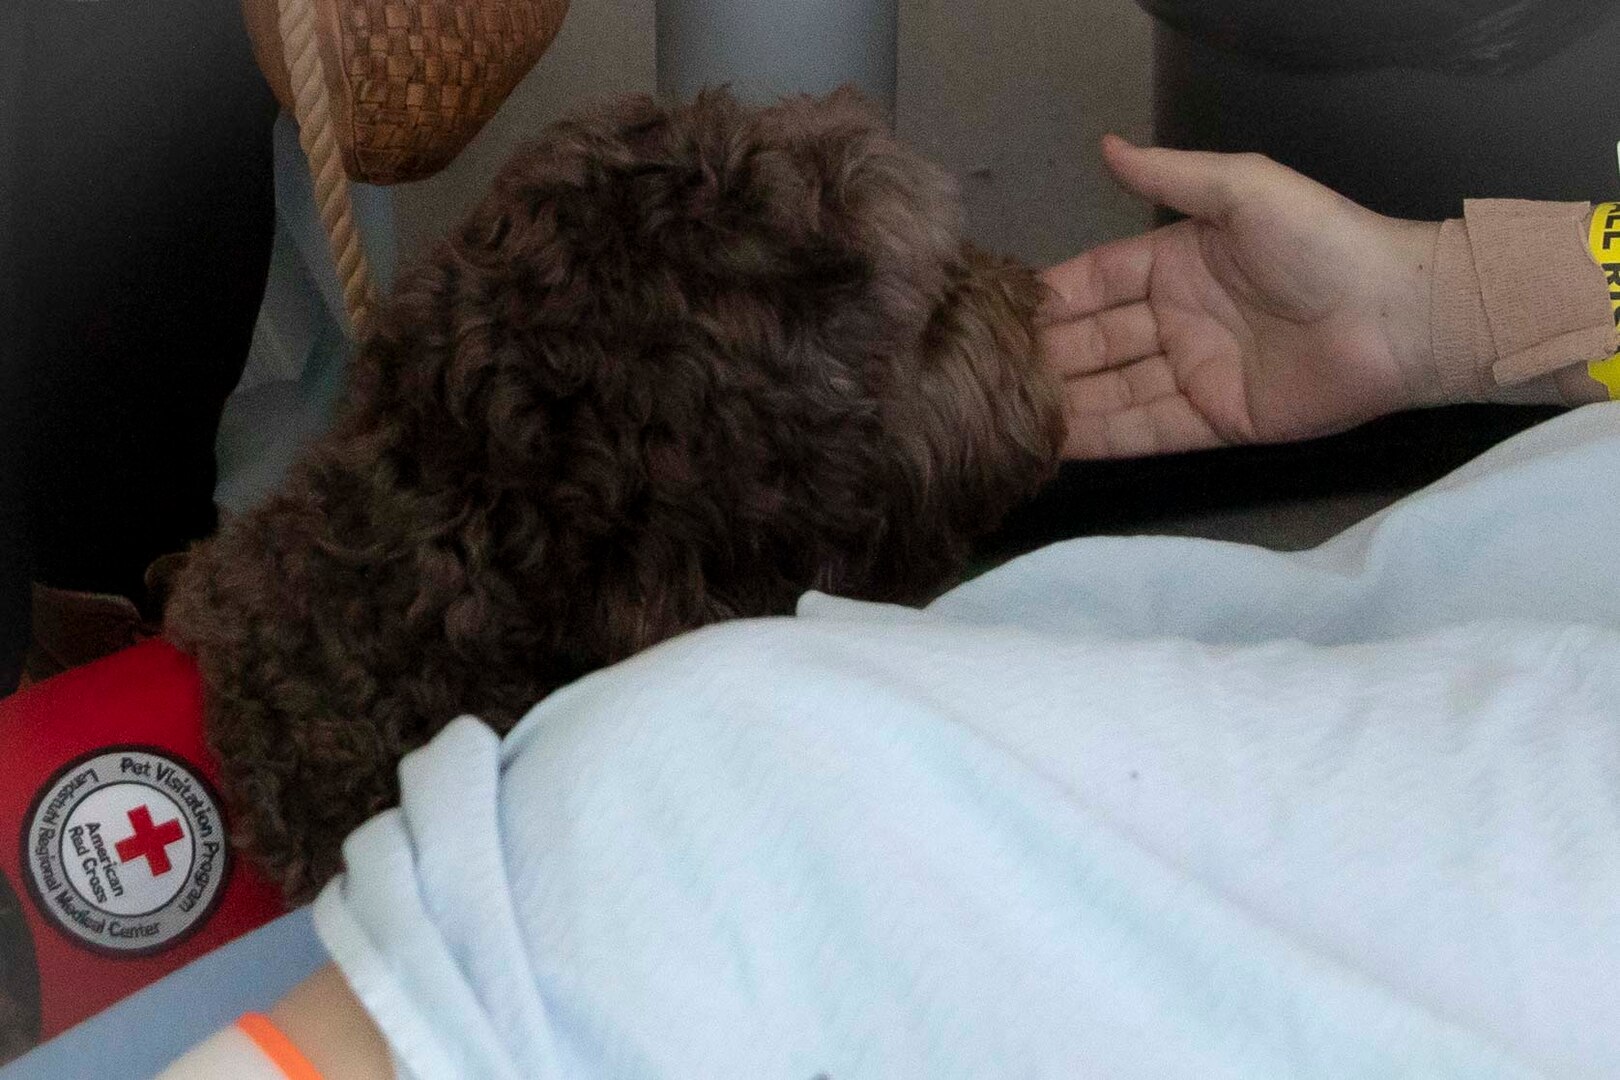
[[681, 365]]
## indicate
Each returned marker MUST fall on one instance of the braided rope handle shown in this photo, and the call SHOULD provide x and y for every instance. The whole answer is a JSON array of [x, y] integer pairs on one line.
[[312, 107]]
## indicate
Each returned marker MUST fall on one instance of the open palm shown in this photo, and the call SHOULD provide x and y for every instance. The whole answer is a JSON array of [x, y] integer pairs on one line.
[[1279, 310]]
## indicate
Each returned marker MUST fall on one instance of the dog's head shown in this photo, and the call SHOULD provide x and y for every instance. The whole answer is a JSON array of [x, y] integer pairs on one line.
[[681, 365]]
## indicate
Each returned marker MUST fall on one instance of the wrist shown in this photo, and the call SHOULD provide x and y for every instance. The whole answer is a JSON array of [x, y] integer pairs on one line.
[[1407, 310]]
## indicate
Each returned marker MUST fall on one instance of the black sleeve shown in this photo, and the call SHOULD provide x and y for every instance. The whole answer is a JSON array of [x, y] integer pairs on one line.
[[136, 213]]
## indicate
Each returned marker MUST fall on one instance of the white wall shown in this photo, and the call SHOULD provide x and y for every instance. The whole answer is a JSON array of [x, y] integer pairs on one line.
[[1011, 95], [604, 47]]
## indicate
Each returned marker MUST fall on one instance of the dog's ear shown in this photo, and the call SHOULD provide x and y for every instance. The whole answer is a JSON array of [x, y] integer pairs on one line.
[[850, 100], [986, 424]]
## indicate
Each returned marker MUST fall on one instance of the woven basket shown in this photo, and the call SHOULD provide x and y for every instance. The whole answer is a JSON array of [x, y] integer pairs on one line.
[[387, 91], [409, 82]]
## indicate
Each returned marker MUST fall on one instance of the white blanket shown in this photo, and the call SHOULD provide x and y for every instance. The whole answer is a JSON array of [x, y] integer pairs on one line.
[[1123, 808]]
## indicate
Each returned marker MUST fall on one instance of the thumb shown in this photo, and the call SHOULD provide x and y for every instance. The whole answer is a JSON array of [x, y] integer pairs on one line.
[[1196, 183]]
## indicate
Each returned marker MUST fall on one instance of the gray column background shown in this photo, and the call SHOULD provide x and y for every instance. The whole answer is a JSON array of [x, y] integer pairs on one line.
[[766, 48]]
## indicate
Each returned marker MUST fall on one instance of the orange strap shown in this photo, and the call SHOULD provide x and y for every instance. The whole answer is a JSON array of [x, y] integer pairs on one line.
[[277, 1047]]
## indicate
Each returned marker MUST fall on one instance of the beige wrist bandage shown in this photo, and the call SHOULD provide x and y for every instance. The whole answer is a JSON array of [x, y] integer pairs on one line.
[[1516, 295]]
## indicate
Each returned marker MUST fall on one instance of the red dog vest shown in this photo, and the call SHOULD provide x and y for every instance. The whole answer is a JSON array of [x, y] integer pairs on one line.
[[113, 837]]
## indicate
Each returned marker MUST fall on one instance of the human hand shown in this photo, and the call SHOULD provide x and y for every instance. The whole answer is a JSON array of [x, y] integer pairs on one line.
[[1279, 310]]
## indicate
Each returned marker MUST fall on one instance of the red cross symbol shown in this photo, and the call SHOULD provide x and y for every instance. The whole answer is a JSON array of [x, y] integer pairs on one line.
[[149, 841]]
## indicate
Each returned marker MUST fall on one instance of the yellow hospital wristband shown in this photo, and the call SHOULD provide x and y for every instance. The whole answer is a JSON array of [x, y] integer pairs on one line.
[[1605, 240]]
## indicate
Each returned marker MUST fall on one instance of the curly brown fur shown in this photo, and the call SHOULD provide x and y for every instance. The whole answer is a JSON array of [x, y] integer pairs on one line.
[[681, 365]]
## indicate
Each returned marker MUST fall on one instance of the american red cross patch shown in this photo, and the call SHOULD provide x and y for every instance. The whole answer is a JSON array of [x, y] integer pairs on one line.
[[124, 850]]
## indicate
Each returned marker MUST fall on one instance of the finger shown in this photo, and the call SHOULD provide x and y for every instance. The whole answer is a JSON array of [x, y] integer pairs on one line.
[[1196, 183], [1121, 389], [1104, 277], [1136, 411], [1108, 339]]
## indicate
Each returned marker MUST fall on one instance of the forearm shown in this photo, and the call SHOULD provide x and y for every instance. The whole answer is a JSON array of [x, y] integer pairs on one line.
[[329, 1032]]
